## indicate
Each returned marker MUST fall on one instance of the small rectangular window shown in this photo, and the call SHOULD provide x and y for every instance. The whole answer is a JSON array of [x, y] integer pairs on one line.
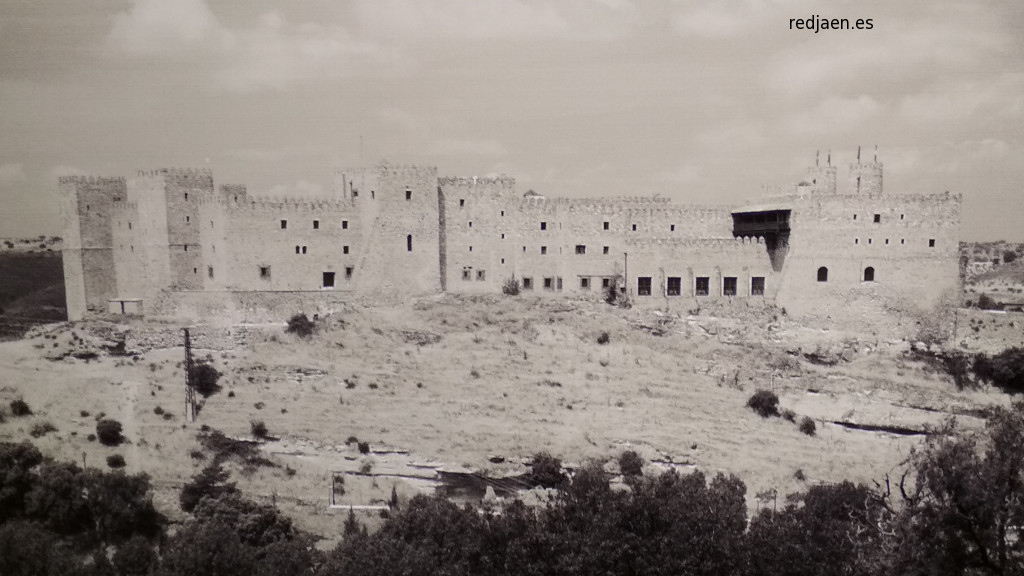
[[643, 286], [348, 272], [856, 240], [581, 249], [188, 219], [297, 249], [344, 224], [328, 280], [606, 282], [672, 228], [470, 223], [854, 216], [264, 272], [901, 216], [408, 194], [303, 249], [558, 281], [344, 249], [757, 286], [524, 248], [481, 275], [729, 286], [605, 225], [502, 236], [549, 283], [703, 286], [887, 241], [209, 272], [903, 240], [604, 250], [634, 227], [467, 274], [470, 248], [585, 283], [527, 283], [543, 225], [503, 213], [284, 224], [186, 195], [675, 286], [931, 243], [462, 202], [129, 225], [195, 270], [316, 224], [543, 249], [878, 218]]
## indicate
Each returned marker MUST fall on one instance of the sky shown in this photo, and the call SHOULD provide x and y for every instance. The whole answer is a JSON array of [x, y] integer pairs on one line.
[[702, 101]]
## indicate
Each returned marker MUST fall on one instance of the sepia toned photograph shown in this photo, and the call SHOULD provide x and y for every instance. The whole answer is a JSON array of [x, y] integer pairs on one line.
[[511, 287]]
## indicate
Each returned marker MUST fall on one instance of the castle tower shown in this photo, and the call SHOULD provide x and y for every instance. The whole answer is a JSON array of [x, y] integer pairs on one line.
[[86, 205], [822, 179], [865, 177]]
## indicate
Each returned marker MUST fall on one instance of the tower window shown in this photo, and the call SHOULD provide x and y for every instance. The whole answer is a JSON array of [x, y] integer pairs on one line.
[[931, 243], [903, 240], [543, 249], [470, 248], [470, 223], [284, 224], [344, 249], [581, 249], [188, 219], [585, 283], [303, 249], [675, 286], [634, 227], [503, 213], [823, 274], [901, 216], [527, 283], [316, 224], [672, 228], [878, 218], [296, 249], [348, 272], [543, 225], [524, 248], [408, 194], [264, 272], [643, 286], [186, 195], [605, 225], [887, 241], [408, 243], [195, 270], [344, 224], [854, 216], [604, 250], [757, 286], [467, 274], [209, 272], [481, 275], [502, 236], [328, 280], [129, 225], [856, 240], [729, 286], [462, 202], [702, 287], [869, 274]]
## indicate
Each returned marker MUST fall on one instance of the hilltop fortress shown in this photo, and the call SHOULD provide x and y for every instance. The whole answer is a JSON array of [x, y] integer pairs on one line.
[[170, 243]]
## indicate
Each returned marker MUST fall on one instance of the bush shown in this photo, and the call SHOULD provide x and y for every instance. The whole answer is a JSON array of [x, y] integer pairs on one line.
[[20, 408], [258, 428], [546, 470], [807, 426], [210, 483], [511, 286], [604, 338], [158, 411], [115, 461], [987, 303], [765, 403], [631, 464], [301, 325], [204, 379], [1004, 370], [364, 447], [789, 415], [1009, 256], [40, 429], [109, 432]]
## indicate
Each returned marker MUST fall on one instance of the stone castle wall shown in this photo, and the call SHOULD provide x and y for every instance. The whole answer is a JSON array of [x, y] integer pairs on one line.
[[173, 240]]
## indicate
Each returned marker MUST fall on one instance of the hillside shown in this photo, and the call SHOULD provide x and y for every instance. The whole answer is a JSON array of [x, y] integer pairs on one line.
[[31, 289]]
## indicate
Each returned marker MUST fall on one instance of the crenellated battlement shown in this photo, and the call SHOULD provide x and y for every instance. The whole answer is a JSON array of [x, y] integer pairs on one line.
[[278, 205], [124, 207], [102, 180], [697, 243], [178, 172], [472, 181]]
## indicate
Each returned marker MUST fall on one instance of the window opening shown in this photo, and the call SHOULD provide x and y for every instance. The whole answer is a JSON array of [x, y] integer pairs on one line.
[[481, 275], [757, 286], [527, 283], [675, 286], [605, 225], [316, 224], [344, 249], [643, 286], [823, 274], [265, 272], [543, 225], [585, 283], [581, 249], [869, 274], [328, 280], [729, 286], [408, 243], [878, 218], [284, 224], [348, 272], [703, 286], [931, 243]]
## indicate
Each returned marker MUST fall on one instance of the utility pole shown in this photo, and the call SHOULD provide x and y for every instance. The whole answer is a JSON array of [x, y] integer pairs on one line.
[[190, 390]]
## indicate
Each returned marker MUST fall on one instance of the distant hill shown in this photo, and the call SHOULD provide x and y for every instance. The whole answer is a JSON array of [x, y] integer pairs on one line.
[[31, 287], [996, 270]]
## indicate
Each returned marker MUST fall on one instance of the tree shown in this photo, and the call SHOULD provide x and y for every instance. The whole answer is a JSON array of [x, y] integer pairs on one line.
[[109, 432], [204, 379], [1009, 256], [210, 483], [121, 505], [17, 462], [546, 470], [135, 557], [765, 403], [1004, 370], [631, 464], [207, 549], [301, 325], [57, 498]]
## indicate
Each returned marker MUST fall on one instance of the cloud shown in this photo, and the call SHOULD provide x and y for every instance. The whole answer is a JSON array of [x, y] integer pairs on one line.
[[165, 26], [12, 174]]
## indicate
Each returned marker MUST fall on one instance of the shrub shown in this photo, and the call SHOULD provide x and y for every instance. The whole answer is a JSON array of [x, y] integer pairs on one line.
[[364, 447], [158, 410], [115, 461], [807, 426], [604, 338], [789, 415], [631, 464], [1004, 370], [301, 325], [546, 470], [511, 286], [210, 483], [765, 403], [987, 303], [91, 437], [109, 432], [204, 379], [258, 428], [1009, 256], [20, 408], [40, 429]]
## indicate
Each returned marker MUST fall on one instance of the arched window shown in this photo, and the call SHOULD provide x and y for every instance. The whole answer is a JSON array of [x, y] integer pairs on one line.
[[869, 274], [822, 274], [408, 243]]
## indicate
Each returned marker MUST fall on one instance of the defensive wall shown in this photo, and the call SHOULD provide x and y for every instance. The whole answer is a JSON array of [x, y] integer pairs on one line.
[[171, 243]]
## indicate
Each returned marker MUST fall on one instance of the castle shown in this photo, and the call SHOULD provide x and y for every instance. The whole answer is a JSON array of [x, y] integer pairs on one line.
[[170, 243]]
